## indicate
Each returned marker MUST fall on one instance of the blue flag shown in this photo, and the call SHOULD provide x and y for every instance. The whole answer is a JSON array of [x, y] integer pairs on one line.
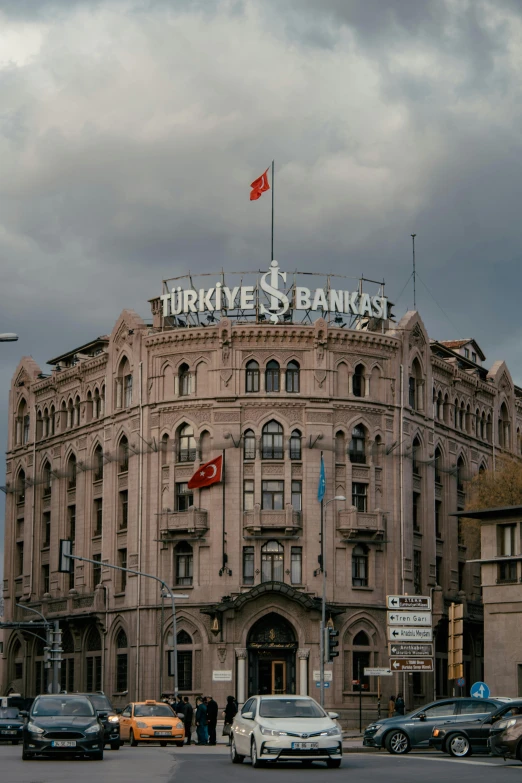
[[321, 489]]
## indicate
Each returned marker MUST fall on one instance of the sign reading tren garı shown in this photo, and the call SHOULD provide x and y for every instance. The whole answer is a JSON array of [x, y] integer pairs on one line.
[[184, 301]]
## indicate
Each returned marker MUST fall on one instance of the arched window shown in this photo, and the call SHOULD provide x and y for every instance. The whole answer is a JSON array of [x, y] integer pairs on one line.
[[186, 653], [377, 451], [123, 385], [71, 472], [77, 412], [67, 667], [437, 464], [70, 414], [186, 443], [93, 660], [504, 433], [17, 659], [460, 474], [483, 426], [415, 457], [22, 424], [183, 638], [357, 448], [272, 376], [360, 566], [292, 377], [165, 449], [272, 441], [477, 423], [52, 420], [415, 387], [361, 651], [295, 445], [98, 464], [456, 414], [46, 479], [96, 404], [340, 447], [358, 381], [249, 445], [342, 379], [122, 662], [123, 455], [184, 380], [252, 377], [20, 487], [39, 426], [183, 556], [272, 562], [462, 416]]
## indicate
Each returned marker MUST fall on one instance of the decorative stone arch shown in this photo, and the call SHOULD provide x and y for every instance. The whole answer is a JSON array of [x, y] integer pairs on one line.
[[362, 642], [16, 649], [416, 382], [190, 652], [343, 378]]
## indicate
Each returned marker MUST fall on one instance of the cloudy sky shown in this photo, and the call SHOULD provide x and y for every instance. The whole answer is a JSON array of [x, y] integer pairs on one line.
[[130, 131]]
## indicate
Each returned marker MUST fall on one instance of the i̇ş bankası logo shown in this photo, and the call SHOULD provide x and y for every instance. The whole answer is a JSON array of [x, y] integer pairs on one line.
[[189, 300]]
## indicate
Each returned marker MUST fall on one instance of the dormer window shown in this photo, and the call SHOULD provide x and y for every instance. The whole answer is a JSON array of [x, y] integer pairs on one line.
[[466, 353]]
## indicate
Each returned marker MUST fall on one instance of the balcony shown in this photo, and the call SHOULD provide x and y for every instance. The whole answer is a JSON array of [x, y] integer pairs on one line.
[[259, 521], [193, 521], [353, 524]]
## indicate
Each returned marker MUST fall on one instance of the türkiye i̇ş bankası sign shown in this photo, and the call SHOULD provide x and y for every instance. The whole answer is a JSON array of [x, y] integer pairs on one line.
[[190, 300]]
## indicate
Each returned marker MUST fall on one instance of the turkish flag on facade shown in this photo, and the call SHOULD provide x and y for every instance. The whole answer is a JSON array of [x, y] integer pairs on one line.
[[209, 473], [259, 186]]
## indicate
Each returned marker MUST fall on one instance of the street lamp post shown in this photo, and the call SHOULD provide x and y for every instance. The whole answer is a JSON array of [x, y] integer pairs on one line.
[[323, 601]]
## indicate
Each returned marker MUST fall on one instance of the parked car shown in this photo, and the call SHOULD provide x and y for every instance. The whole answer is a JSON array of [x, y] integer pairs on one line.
[[403, 732], [151, 721], [108, 716], [61, 724], [11, 725], [285, 728], [472, 736], [505, 738]]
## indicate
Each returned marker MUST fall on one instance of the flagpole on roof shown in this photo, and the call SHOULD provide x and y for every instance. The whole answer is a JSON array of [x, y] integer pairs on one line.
[[273, 188]]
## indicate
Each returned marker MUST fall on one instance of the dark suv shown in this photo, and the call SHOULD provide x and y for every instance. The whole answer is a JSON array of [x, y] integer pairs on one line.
[[472, 736], [403, 732], [108, 717]]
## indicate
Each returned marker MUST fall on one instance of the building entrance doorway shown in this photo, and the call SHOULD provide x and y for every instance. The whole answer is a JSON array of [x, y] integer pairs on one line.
[[271, 656]]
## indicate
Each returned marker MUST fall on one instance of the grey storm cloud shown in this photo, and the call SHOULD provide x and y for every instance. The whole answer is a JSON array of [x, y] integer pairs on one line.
[[131, 130]]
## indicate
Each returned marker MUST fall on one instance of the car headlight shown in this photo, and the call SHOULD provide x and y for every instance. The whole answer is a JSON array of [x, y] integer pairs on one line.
[[505, 724], [113, 719], [273, 732], [180, 725], [94, 729], [374, 727], [141, 725], [331, 732], [438, 732], [34, 729]]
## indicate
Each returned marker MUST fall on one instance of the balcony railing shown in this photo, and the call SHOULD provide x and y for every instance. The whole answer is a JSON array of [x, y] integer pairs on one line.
[[261, 520], [192, 520], [361, 524]]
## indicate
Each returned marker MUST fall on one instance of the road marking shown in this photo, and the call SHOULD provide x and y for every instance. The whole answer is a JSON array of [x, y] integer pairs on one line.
[[448, 761]]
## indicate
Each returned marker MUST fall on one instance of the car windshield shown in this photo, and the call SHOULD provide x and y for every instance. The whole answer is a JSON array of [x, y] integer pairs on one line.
[[8, 713], [153, 711], [73, 707], [290, 708], [100, 702]]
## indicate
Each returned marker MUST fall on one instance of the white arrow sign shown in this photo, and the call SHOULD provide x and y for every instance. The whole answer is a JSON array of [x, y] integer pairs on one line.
[[420, 602], [409, 618], [377, 672], [410, 634]]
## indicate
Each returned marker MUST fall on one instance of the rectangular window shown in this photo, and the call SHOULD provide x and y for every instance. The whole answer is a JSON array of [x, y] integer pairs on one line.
[[296, 565], [297, 495], [248, 494], [184, 564], [185, 670], [466, 353], [438, 518], [361, 661], [506, 539], [417, 572], [416, 511], [273, 495], [507, 571], [66, 675], [18, 670], [184, 496], [122, 562], [19, 558], [45, 579], [96, 570], [248, 565], [124, 509], [46, 529], [360, 566], [359, 496], [438, 571], [98, 517], [93, 673], [474, 356], [71, 522], [121, 672], [462, 573]]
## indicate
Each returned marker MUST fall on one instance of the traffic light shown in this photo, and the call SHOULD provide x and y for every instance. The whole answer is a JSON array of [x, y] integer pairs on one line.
[[331, 642]]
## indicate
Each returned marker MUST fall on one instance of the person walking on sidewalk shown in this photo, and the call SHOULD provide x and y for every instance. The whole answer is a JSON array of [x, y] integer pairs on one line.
[[187, 719], [229, 714], [201, 721], [212, 716], [391, 706], [400, 707]]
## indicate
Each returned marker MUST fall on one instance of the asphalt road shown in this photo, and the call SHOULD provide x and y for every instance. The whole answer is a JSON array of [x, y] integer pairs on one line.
[[212, 765]]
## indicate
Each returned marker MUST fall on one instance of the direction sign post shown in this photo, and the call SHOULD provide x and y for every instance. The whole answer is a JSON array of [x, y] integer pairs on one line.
[[377, 672], [409, 618], [410, 634], [479, 690], [405, 650], [418, 602], [411, 664]]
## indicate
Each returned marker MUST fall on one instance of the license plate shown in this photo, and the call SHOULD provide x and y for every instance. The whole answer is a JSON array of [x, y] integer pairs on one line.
[[8, 732], [162, 734], [304, 745], [64, 744]]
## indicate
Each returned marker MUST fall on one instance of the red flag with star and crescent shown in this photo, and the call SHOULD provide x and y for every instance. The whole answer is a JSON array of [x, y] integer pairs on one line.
[[259, 186], [207, 474]]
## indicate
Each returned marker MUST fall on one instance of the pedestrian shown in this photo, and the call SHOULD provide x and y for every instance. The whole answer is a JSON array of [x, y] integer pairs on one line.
[[391, 706], [400, 707], [179, 708], [187, 720], [212, 716], [201, 721], [229, 714]]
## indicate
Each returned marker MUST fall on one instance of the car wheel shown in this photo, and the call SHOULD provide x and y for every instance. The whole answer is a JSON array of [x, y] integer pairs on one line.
[[306, 763], [132, 739], [458, 746], [179, 744], [115, 745], [256, 763], [333, 763], [397, 742], [519, 752], [15, 742], [164, 744], [26, 756], [235, 757], [97, 756]]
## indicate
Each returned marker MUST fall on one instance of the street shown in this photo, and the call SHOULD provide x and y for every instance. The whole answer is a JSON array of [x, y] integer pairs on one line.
[[201, 765]]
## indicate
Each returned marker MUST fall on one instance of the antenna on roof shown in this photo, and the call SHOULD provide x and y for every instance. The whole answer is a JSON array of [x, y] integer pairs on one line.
[[414, 290]]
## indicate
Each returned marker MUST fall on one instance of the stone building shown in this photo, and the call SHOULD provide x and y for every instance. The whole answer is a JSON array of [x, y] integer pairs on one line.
[[101, 451]]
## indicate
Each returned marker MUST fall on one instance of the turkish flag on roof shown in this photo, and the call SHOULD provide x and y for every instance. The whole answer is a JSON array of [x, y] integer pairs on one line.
[[259, 186], [207, 474]]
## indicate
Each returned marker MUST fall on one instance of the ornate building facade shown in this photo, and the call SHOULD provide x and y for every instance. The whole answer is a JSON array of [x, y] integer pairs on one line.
[[101, 451]]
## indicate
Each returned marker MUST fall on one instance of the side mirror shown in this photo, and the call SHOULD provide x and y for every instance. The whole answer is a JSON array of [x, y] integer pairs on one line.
[[421, 716], [247, 715], [333, 715], [103, 714], [118, 710], [23, 714]]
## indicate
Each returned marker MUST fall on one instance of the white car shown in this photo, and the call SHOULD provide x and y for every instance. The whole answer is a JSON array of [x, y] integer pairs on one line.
[[285, 728]]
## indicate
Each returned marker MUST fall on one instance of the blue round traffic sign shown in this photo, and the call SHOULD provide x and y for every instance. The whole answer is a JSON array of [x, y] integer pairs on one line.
[[461, 682], [479, 690]]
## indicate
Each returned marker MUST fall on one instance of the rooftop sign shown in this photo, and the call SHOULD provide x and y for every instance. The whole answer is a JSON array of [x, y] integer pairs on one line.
[[271, 302]]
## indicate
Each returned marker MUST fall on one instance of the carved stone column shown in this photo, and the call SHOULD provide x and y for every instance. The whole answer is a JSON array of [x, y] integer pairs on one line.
[[241, 655], [303, 653]]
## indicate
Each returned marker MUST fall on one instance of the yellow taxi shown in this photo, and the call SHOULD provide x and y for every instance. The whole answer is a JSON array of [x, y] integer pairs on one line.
[[151, 721]]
